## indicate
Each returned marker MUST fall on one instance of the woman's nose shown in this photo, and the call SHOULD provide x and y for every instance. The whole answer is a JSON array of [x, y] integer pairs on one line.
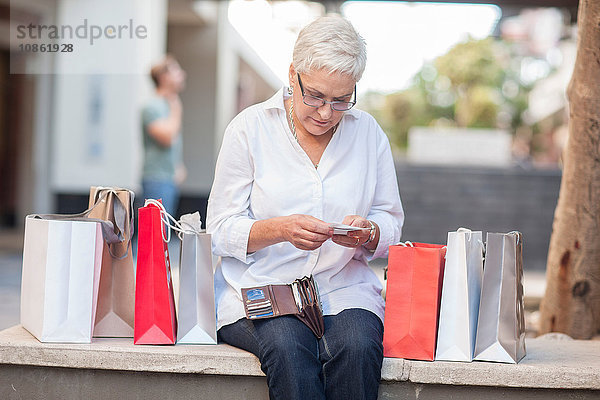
[[325, 111]]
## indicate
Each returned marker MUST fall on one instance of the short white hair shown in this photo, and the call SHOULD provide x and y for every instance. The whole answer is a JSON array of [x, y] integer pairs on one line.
[[330, 42]]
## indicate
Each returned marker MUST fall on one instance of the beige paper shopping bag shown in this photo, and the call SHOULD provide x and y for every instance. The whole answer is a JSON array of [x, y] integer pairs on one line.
[[116, 297]]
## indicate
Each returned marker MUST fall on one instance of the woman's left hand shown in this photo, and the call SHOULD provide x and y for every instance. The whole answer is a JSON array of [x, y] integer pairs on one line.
[[353, 238]]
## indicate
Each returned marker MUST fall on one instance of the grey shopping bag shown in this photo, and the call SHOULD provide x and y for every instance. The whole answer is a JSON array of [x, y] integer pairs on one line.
[[196, 315], [461, 289], [501, 325]]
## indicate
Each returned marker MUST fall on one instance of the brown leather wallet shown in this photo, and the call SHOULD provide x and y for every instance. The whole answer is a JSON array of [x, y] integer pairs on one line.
[[300, 298]]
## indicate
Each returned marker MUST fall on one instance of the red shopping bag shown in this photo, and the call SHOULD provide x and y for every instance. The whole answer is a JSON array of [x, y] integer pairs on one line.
[[414, 282], [155, 320]]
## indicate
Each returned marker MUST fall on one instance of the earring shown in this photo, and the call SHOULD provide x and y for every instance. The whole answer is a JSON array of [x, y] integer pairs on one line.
[[290, 90]]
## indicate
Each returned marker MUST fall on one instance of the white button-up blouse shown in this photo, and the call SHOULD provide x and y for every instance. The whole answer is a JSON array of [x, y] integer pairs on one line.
[[262, 172]]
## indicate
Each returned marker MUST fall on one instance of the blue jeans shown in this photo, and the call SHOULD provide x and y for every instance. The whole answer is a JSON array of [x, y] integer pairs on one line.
[[165, 190], [344, 364]]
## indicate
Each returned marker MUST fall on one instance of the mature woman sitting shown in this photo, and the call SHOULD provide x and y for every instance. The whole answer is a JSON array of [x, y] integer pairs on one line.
[[288, 168]]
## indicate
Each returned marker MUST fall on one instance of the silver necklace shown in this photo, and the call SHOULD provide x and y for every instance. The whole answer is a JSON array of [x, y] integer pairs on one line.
[[294, 126], [292, 121]]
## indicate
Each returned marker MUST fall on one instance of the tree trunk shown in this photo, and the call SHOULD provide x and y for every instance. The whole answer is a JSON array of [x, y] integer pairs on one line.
[[571, 303]]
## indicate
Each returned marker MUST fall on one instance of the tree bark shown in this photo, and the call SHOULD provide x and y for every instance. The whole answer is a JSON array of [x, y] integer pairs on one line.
[[571, 303]]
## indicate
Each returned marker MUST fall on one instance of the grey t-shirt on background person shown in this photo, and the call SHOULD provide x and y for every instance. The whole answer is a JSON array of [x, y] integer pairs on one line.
[[160, 162]]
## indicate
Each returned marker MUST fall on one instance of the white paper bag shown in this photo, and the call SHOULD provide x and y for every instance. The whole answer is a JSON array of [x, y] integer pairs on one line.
[[460, 296], [196, 317], [61, 272]]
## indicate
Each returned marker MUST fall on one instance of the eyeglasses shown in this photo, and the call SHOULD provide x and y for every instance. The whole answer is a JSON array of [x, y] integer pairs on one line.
[[319, 102]]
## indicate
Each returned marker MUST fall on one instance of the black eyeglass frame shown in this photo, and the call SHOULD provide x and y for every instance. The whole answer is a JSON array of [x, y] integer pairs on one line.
[[323, 102]]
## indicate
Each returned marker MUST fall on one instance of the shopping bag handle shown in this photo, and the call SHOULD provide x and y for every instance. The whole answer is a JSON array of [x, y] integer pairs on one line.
[[108, 232], [108, 228], [188, 228], [470, 232], [119, 209], [465, 230], [167, 219], [518, 234], [181, 227], [125, 226]]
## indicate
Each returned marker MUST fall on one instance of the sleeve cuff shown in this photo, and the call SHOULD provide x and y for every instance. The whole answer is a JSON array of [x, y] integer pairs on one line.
[[239, 240], [387, 237]]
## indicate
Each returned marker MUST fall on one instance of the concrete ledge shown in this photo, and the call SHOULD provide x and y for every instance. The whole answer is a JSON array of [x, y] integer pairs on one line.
[[17, 346], [549, 364]]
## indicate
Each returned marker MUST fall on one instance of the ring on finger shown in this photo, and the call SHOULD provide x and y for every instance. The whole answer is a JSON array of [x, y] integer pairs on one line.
[[357, 241]]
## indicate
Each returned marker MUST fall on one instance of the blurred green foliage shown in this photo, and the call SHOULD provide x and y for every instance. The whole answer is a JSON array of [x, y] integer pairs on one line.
[[476, 85]]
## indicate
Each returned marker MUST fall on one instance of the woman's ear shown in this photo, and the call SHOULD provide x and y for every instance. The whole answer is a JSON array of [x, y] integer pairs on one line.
[[292, 74]]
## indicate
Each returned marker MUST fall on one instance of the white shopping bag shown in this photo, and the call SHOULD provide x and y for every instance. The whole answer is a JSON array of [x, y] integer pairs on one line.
[[460, 296], [61, 272], [501, 324], [196, 317]]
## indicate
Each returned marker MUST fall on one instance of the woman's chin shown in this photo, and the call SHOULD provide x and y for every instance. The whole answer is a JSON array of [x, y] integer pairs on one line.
[[319, 130]]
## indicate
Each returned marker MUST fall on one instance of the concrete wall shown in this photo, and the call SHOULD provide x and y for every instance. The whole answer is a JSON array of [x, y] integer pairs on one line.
[[95, 136], [196, 49], [82, 127], [414, 391], [42, 383], [441, 199], [224, 76], [34, 120], [463, 146]]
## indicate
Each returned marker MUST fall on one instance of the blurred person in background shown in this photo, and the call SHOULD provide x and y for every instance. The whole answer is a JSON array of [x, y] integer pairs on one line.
[[288, 167], [163, 169]]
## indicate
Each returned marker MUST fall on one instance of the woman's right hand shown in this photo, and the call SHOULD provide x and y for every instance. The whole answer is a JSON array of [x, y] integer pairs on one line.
[[305, 232]]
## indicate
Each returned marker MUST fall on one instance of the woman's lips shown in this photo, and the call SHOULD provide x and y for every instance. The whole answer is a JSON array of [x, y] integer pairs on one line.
[[319, 122]]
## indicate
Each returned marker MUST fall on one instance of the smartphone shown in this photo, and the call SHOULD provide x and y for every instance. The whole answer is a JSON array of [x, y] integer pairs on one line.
[[341, 229]]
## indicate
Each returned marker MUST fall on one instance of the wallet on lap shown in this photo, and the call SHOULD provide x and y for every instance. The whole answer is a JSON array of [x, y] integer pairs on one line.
[[299, 298]]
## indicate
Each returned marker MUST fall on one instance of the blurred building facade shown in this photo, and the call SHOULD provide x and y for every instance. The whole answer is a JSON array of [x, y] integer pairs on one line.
[[63, 133]]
